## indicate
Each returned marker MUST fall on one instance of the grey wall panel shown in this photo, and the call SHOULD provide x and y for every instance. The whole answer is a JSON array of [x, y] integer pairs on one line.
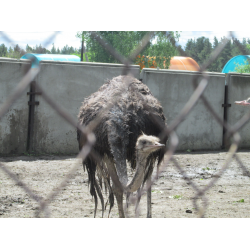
[[238, 90], [199, 131], [14, 125], [68, 84]]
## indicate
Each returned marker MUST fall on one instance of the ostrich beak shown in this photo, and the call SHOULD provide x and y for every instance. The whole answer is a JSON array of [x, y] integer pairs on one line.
[[243, 103], [156, 145]]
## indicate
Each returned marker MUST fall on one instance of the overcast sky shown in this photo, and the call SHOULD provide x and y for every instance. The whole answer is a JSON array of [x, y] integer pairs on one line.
[[69, 37]]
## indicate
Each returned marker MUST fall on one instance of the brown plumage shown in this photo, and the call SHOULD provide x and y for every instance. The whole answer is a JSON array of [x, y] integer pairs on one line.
[[135, 110]]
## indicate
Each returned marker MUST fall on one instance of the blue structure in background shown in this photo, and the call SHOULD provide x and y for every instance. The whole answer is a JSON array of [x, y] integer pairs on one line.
[[232, 63], [51, 57]]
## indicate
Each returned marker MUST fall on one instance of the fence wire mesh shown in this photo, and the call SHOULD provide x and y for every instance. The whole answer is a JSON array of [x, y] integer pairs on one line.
[[170, 131]]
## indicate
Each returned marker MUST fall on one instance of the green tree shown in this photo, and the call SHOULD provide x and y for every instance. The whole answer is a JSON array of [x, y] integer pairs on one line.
[[226, 54], [16, 52], [199, 49], [162, 48], [214, 67], [3, 50], [10, 50], [125, 42], [40, 50], [37, 49], [244, 68], [68, 50], [235, 49], [191, 49], [29, 49], [204, 49], [53, 50], [84, 36]]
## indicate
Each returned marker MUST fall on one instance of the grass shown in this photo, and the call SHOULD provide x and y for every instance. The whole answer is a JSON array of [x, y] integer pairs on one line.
[[157, 191], [239, 201], [207, 168], [177, 197], [242, 200]]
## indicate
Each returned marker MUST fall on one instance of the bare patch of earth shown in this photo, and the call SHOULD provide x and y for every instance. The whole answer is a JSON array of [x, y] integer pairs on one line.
[[172, 196]]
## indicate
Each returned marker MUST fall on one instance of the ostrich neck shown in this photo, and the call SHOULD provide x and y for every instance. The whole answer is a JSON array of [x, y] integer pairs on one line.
[[141, 160]]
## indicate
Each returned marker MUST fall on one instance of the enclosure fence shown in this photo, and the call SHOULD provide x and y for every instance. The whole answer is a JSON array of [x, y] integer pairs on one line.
[[199, 84]]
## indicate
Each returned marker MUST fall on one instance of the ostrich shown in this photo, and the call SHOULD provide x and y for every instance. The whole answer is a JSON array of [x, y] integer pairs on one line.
[[126, 134]]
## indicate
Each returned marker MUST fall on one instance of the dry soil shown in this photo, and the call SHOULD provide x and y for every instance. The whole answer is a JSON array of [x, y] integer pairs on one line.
[[172, 196]]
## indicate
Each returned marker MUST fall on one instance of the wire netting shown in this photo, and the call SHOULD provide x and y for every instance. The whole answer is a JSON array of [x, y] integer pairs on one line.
[[199, 86]]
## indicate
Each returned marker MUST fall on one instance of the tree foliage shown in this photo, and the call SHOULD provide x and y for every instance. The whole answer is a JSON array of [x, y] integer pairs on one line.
[[159, 49], [214, 67], [67, 50], [200, 50], [245, 68], [18, 52], [157, 53], [3, 50], [15, 52]]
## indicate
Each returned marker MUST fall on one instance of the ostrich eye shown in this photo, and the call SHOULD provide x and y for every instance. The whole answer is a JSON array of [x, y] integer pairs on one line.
[[143, 142]]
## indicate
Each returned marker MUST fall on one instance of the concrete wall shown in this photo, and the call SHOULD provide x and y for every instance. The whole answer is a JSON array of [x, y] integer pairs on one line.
[[14, 125], [68, 84], [173, 89], [238, 90]]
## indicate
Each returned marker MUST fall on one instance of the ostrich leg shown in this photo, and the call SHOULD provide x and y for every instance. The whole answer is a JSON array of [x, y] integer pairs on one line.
[[149, 193], [119, 198], [121, 170], [149, 206], [118, 192], [117, 141]]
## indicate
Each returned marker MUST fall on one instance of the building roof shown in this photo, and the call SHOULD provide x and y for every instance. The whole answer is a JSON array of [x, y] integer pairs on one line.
[[49, 57], [232, 63], [183, 63]]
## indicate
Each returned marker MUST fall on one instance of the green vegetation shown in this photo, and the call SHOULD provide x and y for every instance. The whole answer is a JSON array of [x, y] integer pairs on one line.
[[201, 48], [125, 42], [177, 197], [29, 154], [158, 51], [207, 168], [242, 200], [244, 68], [17, 52]]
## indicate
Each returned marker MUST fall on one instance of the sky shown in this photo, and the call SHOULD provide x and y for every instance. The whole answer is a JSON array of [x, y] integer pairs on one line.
[[33, 38]]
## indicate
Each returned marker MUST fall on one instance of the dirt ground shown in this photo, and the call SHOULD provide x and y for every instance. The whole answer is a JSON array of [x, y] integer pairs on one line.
[[171, 195]]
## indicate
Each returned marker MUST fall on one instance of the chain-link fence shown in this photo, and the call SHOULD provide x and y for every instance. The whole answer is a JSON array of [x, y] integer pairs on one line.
[[170, 131]]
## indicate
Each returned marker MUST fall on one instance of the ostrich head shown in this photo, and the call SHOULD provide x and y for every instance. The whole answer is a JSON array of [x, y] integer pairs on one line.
[[145, 145], [244, 102]]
